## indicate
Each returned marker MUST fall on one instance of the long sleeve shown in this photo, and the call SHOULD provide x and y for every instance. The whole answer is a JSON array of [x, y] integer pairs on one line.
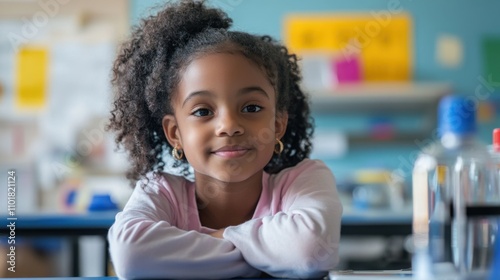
[[145, 244], [301, 240]]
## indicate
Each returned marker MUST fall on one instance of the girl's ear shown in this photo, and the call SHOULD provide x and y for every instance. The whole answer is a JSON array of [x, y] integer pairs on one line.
[[280, 124], [171, 130]]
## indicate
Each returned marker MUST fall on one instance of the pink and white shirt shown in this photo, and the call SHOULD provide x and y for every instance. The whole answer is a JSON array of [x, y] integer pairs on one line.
[[294, 231]]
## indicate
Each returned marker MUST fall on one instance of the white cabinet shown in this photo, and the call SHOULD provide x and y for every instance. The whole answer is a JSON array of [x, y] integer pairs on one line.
[[409, 109]]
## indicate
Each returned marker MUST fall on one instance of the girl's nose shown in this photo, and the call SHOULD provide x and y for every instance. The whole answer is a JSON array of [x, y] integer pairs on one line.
[[229, 125]]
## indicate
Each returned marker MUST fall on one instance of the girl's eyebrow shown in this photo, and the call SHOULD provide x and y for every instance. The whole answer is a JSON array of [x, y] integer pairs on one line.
[[242, 91], [256, 89], [197, 93]]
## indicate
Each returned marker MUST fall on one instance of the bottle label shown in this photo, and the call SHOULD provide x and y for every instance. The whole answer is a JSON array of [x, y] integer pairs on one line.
[[441, 170], [420, 209]]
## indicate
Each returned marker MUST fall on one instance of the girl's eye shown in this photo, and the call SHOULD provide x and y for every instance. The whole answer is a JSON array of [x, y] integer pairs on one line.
[[201, 113], [252, 109]]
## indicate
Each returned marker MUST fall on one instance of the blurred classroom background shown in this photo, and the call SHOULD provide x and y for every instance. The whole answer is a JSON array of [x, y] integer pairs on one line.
[[375, 70]]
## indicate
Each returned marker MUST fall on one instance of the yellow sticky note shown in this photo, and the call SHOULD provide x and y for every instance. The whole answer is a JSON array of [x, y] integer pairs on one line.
[[31, 78], [385, 47]]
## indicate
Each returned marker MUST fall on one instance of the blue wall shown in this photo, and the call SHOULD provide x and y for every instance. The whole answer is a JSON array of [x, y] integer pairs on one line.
[[468, 20]]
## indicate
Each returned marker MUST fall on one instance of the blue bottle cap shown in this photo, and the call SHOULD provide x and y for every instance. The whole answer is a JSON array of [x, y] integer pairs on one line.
[[456, 114], [102, 202]]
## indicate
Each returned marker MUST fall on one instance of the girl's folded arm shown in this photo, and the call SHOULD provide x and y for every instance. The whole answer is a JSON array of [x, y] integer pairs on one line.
[[144, 244], [301, 240]]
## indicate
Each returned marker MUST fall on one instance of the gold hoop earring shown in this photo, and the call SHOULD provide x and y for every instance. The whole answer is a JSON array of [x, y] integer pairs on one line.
[[177, 154], [280, 149]]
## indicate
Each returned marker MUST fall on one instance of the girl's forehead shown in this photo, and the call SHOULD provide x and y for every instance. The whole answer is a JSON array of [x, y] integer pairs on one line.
[[228, 67], [222, 72], [226, 57]]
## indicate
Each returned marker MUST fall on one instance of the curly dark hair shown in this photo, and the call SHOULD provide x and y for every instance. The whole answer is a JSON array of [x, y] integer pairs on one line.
[[149, 67]]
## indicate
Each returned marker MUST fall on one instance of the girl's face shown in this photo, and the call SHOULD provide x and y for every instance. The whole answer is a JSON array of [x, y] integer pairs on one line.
[[225, 119]]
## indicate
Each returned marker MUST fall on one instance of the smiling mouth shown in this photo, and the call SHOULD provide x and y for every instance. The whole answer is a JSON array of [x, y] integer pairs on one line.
[[231, 153]]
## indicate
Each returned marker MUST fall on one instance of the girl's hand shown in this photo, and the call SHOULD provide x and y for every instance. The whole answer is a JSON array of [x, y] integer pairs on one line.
[[218, 234]]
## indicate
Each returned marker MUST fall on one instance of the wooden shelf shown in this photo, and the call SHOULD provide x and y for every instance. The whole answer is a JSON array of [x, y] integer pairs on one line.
[[392, 97]]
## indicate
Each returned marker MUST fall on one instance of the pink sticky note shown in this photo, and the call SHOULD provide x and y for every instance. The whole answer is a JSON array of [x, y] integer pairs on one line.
[[348, 70]]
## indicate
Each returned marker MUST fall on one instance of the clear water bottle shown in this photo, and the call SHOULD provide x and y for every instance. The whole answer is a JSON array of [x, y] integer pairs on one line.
[[454, 170]]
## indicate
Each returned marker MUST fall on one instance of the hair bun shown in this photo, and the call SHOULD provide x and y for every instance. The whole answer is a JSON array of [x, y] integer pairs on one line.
[[177, 23]]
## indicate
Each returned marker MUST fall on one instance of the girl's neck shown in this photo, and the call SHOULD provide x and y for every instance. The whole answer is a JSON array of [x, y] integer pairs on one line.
[[222, 204]]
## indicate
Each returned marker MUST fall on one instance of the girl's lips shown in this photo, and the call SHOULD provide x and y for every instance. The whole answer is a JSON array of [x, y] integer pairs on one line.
[[231, 153]]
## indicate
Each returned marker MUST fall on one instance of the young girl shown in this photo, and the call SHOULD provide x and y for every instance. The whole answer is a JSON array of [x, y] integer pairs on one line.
[[228, 105]]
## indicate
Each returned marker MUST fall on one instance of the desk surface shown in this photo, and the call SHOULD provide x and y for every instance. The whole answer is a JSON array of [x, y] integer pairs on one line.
[[66, 278], [115, 278], [57, 220], [338, 277], [377, 216], [89, 220], [106, 219], [50, 224], [379, 222], [403, 275]]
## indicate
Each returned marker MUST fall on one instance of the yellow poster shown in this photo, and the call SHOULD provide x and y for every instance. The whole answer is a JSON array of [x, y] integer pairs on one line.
[[31, 78], [384, 44]]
